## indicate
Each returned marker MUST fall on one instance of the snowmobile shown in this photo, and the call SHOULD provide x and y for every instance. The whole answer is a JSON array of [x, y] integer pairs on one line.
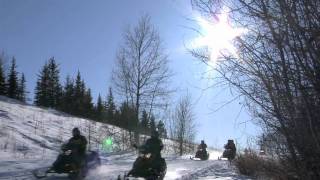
[[201, 154], [229, 154], [147, 166], [68, 166]]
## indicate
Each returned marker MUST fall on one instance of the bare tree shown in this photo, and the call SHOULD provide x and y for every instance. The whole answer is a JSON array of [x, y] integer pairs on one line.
[[142, 74], [278, 72], [184, 127]]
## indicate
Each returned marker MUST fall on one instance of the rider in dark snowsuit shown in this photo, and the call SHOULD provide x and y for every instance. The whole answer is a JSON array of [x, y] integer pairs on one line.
[[202, 150], [152, 167], [231, 150], [78, 145], [154, 145], [202, 146]]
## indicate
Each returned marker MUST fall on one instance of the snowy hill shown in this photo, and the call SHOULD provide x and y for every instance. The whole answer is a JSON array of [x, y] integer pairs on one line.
[[35, 132], [30, 137]]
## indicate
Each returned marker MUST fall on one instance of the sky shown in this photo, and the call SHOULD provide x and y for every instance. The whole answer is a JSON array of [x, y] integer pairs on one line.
[[84, 35]]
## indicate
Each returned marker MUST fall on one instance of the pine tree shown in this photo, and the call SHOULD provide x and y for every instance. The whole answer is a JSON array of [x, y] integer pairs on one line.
[[162, 129], [100, 109], [144, 123], [12, 90], [54, 86], [82, 99], [152, 124], [110, 107], [3, 87], [22, 89], [48, 91], [67, 104], [41, 90], [127, 117], [117, 118], [78, 95], [87, 104]]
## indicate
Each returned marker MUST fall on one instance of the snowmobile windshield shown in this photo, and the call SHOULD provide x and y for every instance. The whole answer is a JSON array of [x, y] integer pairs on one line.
[[143, 152]]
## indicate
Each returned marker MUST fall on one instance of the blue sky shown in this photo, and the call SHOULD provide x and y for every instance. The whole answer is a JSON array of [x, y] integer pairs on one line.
[[84, 35]]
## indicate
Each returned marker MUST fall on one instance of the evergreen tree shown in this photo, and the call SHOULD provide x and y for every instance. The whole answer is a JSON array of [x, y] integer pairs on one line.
[[144, 123], [3, 87], [48, 91], [22, 89], [78, 95], [87, 106], [67, 104], [127, 117], [162, 129], [110, 107], [117, 118], [76, 99], [41, 90], [152, 124], [55, 86], [100, 110], [82, 99], [13, 88]]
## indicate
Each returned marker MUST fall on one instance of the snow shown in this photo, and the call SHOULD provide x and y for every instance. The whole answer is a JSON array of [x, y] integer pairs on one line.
[[30, 138]]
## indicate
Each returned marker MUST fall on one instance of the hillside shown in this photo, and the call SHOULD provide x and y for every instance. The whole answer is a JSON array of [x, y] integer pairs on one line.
[[34, 132], [30, 138]]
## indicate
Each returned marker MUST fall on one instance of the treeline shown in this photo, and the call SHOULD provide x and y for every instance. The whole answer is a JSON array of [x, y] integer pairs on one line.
[[12, 84], [74, 97]]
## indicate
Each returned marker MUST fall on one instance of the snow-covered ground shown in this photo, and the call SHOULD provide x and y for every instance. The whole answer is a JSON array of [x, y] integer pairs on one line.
[[114, 165], [30, 138]]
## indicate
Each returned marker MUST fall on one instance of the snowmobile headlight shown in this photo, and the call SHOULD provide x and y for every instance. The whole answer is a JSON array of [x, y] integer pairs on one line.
[[68, 152], [148, 155]]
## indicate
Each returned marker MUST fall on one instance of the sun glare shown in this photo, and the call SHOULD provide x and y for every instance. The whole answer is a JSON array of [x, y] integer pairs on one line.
[[217, 35]]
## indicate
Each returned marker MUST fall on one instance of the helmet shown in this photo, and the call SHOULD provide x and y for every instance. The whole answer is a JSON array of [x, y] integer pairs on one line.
[[75, 132], [202, 141], [155, 134]]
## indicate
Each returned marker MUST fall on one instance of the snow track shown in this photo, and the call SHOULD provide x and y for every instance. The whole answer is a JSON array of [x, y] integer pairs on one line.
[[118, 164]]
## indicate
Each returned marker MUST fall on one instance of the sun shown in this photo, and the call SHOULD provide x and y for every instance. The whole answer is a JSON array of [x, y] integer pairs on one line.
[[217, 35]]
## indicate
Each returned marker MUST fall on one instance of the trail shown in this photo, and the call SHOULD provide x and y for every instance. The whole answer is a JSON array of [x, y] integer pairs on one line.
[[117, 164]]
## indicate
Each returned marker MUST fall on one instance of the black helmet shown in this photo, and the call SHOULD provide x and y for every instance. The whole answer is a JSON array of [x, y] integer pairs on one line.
[[202, 141], [75, 132], [155, 134]]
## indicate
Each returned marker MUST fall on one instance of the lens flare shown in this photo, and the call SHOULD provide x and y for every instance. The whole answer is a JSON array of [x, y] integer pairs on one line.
[[107, 144], [217, 35]]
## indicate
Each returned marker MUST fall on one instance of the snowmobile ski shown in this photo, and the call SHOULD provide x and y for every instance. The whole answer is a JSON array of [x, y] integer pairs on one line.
[[194, 158]]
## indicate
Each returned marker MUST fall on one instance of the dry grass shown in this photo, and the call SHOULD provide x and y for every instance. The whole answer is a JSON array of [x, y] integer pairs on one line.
[[255, 166]]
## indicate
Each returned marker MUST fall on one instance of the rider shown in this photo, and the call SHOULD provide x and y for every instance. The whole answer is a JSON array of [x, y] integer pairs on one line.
[[230, 146], [202, 150], [154, 165], [78, 145], [202, 146], [154, 144]]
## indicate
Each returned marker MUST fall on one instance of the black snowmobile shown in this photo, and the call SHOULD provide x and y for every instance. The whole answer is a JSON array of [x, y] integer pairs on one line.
[[229, 154], [67, 165], [201, 154], [147, 166], [230, 150]]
